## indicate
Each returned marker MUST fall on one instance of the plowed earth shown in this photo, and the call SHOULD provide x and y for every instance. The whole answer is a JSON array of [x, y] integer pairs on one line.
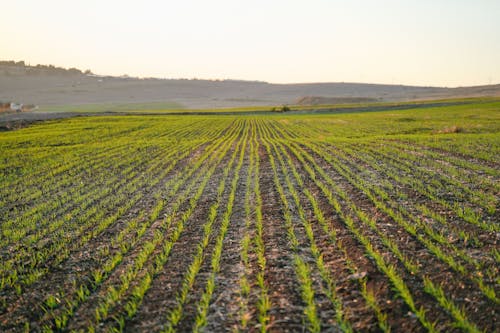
[[157, 270]]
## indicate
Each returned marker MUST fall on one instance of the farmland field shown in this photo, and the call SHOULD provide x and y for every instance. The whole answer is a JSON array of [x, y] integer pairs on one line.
[[348, 222]]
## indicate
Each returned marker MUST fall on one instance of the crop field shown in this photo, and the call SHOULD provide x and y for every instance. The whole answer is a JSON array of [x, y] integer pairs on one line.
[[380, 221]]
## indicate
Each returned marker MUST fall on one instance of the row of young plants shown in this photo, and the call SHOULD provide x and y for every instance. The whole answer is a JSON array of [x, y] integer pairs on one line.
[[151, 247], [328, 286], [383, 265], [44, 162], [39, 160], [80, 224], [399, 283], [28, 255], [81, 169], [157, 169], [132, 304], [372, 164], [481, 175], [132, 212], [81, 179], [401, 177], [43, 219], [390, 270], [303, 270], [189, 277], [325, 228], [439, 183], [25, 197], [215, 259], [434, 239], [44, 168], [253, 277], [478, 151], [432, 210]]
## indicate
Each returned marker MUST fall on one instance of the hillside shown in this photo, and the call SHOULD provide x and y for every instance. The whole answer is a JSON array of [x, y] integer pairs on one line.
[[53, 86]]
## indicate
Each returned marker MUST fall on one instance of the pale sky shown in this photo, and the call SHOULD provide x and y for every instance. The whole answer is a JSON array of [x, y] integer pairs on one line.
[[415, 42]]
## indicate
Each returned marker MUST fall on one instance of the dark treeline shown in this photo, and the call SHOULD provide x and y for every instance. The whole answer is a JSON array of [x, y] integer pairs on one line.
[[21, 65]]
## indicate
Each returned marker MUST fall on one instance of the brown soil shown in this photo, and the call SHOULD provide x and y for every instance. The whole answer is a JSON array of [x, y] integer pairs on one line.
[[462, 290], [284, 290]]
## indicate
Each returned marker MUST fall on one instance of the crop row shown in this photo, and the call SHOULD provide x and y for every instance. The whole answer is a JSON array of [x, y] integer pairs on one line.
[[135, 226]]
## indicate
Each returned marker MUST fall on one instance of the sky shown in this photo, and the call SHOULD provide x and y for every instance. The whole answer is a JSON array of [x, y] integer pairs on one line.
[[414, 42]]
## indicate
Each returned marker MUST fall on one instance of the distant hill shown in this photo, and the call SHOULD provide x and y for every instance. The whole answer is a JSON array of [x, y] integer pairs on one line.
[[48, 85], [318, 100]]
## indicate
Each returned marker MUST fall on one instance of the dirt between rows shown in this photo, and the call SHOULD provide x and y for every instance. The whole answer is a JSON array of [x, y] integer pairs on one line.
[[461, 289], [76, 268], [344, 257], [489, 240]]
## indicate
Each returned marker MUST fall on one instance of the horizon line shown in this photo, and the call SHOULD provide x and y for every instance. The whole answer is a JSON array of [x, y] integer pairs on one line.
[[127, 76]]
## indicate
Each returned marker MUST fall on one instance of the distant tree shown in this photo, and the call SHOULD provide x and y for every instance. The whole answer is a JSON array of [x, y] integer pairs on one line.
[[283, 108], [74, 71]]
